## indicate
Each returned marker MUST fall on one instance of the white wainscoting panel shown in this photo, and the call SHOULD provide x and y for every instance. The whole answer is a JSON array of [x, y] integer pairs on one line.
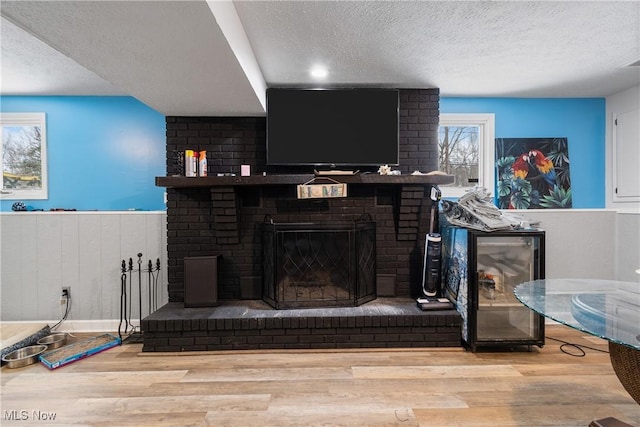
[[40, 252], [579, 242], [46, 246], [627, 251]]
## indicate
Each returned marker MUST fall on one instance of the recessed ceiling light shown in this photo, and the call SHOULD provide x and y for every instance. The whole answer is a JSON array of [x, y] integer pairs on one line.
[[319, 72]]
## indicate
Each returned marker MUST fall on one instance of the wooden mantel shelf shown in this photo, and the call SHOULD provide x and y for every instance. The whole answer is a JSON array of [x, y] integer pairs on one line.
[[257, 180]]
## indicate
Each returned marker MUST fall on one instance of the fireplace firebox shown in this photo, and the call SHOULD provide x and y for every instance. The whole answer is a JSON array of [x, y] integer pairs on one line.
[[310, 265]]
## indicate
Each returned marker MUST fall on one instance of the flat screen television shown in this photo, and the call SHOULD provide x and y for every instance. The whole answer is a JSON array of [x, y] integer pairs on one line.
[[332, 127]]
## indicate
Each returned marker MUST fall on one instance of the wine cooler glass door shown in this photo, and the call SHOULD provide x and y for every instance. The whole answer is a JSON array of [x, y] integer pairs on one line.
[[503, 262]]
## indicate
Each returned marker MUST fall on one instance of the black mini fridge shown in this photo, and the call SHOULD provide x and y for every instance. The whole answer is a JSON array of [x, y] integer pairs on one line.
[[479, 273]]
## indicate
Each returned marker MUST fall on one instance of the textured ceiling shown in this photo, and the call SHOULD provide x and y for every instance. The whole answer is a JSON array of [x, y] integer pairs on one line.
[[211, 58], [170, 55]]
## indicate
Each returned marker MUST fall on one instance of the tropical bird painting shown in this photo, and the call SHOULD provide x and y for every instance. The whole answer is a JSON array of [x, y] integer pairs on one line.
[[521, 166], [533, 173], [544, 166]]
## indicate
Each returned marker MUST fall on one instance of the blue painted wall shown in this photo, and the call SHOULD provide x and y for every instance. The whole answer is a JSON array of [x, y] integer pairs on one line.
[[580, 120], [103, 152]]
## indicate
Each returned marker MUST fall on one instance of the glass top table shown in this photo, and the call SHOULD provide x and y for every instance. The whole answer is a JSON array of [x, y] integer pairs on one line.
[[604, 308]]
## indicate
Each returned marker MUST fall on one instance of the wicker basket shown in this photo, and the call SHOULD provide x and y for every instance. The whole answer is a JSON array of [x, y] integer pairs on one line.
[[626, 363]]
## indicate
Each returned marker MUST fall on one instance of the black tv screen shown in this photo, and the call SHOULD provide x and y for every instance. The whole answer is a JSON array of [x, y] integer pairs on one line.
[[332, 127]]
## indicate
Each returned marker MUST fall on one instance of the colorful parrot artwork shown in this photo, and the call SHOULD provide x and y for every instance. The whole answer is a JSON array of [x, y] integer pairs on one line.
[[533, 173], [544, 166], [521, 167]]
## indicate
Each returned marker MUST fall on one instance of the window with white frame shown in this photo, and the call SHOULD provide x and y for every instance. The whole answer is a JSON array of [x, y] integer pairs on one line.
[[24, 156], [466, 150]]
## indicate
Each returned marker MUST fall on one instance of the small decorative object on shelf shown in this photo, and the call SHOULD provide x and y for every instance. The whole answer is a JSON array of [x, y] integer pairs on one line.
[[386, 170], [190, 163], [18, 206], [202, 163]]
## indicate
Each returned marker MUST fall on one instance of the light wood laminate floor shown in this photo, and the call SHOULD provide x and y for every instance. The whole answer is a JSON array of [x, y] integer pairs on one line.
[[400, 387]]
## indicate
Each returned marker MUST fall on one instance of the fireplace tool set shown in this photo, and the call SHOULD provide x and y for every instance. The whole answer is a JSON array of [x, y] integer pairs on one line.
[[127, 276]]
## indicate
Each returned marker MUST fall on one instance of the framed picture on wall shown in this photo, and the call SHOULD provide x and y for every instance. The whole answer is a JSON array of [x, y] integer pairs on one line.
[[24, 156], [533, 173]]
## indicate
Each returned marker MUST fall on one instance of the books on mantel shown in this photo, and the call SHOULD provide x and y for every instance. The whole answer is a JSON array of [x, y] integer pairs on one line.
[[432, 304]]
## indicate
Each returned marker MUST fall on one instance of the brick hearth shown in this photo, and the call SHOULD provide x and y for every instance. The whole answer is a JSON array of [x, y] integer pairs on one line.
[[246, 325]]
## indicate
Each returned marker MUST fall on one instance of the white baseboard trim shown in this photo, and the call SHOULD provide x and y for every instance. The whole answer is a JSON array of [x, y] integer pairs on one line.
[[70, 326]]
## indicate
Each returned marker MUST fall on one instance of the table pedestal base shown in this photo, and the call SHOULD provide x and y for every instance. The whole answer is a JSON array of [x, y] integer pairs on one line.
[[626, 363], [609, 422]]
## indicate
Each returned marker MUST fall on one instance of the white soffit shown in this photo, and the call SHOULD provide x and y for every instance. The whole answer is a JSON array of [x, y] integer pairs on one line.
[[170, 55], [229, 22]]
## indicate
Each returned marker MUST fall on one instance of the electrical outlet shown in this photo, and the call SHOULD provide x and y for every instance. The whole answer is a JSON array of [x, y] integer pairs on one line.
[[65, 295]]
